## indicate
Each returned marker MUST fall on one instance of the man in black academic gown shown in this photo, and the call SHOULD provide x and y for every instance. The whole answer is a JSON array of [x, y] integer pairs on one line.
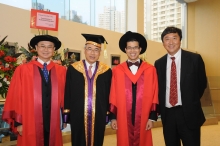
[[86, 100]]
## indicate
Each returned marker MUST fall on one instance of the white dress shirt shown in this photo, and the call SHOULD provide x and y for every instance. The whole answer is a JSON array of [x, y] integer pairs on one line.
[[178, 69], [42, 62], [93, 66], [134, 68]]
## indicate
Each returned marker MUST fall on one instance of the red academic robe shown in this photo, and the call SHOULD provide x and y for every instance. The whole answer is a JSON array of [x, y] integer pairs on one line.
[[24, 103], [121, 103]]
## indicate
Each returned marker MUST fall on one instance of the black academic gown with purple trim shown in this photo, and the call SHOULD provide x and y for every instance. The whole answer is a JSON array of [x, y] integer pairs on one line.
[[76, 81]]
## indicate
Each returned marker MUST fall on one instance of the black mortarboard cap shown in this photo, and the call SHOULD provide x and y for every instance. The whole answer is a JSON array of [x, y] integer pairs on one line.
[[94, 39], [133, 35], [49, 38]]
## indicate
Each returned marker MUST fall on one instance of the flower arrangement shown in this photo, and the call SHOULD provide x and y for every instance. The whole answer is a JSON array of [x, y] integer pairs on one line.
[[9, 61], [8, 64]]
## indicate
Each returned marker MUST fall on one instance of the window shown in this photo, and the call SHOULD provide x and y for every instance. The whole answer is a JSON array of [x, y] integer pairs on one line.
[[107, 14], [170, 13]]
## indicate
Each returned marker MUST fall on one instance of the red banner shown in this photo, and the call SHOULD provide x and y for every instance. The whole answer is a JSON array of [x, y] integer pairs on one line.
[[44, 20]]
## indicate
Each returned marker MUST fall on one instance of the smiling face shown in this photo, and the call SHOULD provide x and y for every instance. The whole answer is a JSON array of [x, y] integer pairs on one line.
[[45, 50], [92, 53], [171, 43], [133, 50]]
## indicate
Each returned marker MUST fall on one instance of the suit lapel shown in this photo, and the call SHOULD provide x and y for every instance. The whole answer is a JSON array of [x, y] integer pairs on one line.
[[184, 67], [164, 69]]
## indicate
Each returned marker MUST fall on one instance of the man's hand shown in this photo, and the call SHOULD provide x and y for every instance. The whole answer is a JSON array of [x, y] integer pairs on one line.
[[64, 125], [19, 129], [114, 125], [149, 125]]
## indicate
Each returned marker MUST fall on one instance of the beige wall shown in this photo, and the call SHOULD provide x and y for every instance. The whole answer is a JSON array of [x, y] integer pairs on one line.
[[204, 38], [204, 32], [15, 24]]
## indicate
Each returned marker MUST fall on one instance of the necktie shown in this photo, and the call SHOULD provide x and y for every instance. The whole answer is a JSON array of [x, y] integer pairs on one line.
[[173, 83], [45, 72], [135, 63], [90, 71]]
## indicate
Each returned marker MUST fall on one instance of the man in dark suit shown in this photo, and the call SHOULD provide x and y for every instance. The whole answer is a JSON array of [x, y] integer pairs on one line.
[[182, 81]]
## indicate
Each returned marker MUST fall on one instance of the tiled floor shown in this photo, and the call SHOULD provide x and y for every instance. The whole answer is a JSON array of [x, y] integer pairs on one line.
[[210, 136]]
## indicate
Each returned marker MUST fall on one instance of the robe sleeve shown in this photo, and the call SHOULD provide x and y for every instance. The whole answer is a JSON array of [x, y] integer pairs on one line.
[[112, 100], [108, 86], [154, 108], [67, 95], [12, 112]]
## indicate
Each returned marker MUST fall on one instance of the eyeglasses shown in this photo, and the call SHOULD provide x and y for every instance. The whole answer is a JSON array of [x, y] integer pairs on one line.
[[46, 47], [90, 50], [132, 48]]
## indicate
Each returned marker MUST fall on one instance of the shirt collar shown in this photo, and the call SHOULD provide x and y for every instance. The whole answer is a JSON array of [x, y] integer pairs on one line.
[[177, 54], [87, 64], [134, 61], [42, 62]]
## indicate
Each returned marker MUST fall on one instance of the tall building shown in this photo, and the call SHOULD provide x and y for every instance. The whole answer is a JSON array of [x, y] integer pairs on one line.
[[112, 20], [38, 6], [159, 14]]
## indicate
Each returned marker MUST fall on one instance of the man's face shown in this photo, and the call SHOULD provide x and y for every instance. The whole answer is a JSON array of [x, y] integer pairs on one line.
[[92, 53], [133, 50], [45, 50], [171, 43]]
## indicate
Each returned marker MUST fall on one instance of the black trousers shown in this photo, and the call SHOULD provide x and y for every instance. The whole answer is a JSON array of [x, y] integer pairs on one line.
[[175, 129]]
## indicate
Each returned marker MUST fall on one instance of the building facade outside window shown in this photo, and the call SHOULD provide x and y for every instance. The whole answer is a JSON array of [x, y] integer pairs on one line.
[[162, 13], [106, 14]]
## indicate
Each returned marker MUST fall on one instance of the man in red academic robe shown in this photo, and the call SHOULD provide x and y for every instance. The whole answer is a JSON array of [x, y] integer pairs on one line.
[[134, 94], [37, 89]]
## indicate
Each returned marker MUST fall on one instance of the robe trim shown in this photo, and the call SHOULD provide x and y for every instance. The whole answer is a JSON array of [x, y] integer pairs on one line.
[[55, 107], [90, 97], [134, 130], [132, 77], [38, 105]]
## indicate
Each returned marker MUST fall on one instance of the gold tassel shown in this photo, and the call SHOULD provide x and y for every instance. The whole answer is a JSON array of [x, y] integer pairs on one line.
[[105, 51]]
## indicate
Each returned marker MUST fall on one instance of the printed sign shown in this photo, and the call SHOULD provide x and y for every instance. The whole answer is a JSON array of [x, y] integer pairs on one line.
[[44, 20]]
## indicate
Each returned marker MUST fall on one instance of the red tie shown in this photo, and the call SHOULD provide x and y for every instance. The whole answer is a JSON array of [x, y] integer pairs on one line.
[[173, 83], [90, 71]]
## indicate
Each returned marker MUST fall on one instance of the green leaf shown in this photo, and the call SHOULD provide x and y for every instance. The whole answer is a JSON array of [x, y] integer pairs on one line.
[[3, 40]]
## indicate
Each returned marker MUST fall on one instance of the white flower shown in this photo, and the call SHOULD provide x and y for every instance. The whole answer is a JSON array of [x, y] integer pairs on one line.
[[6, 65], [8, 82], [0, 84], [5, 79]]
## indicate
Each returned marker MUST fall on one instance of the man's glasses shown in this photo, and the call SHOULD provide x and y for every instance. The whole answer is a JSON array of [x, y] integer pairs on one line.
[[90, 50], [132, 48], [46, 47]]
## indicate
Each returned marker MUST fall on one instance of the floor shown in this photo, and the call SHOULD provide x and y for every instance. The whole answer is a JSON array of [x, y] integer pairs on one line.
[[210, 136]]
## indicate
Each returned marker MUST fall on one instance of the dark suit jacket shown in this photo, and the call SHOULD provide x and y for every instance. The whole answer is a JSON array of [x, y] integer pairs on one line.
[[192, 85]]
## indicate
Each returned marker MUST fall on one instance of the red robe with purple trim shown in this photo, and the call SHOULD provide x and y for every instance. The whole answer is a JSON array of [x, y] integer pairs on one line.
[[24, 103], [121, 103]]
